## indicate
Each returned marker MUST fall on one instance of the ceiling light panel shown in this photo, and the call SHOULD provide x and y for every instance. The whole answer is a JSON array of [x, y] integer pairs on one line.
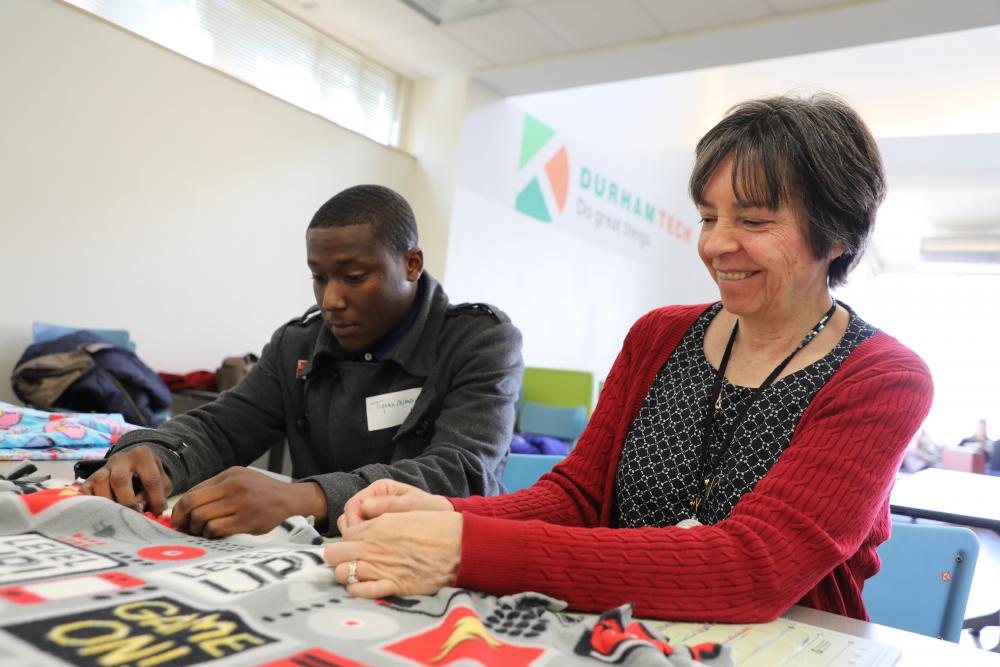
[[446, 11]]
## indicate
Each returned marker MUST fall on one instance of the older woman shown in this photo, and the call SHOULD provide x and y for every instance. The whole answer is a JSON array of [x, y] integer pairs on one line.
[[741, 455]]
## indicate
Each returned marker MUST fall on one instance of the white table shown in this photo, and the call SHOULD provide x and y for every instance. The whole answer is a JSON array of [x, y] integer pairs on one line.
[[917, 650], [58, 469], [963, 498]]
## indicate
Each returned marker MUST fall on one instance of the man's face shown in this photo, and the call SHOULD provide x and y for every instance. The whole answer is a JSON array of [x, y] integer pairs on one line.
[[362, 287]]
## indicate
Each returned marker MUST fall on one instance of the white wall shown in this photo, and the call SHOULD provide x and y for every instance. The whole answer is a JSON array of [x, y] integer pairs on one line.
[[918, 95], [433, 133], [572, 288], [141, 190], [144, 191], [951, 321]]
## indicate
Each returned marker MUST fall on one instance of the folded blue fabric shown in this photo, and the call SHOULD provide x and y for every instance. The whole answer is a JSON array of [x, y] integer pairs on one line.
[[37, 429], [530, 443]]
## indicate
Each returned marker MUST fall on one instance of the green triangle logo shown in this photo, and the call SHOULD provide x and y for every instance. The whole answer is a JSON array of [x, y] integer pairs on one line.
[[533, 138], [531, 202]]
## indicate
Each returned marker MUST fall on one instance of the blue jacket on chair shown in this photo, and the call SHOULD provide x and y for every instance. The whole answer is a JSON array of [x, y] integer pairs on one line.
[[101, 378]]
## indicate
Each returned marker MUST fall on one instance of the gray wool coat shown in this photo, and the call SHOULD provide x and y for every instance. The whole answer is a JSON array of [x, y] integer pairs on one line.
[[465, 360]]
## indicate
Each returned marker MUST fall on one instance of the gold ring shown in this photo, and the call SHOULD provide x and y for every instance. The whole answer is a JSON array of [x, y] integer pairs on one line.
[[352, 572]]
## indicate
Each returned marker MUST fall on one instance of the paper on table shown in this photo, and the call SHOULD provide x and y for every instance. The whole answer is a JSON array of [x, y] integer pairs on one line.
[[783, 642]]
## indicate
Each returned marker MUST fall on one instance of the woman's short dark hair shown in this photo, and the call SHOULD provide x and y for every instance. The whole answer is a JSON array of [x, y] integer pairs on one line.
[[815, 154], [394, 224]]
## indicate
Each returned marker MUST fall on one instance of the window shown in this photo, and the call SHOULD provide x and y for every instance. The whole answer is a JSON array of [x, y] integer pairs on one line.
[[258, 43]]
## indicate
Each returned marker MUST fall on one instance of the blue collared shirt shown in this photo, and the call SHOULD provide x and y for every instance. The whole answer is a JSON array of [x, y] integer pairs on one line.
[[386, 345]]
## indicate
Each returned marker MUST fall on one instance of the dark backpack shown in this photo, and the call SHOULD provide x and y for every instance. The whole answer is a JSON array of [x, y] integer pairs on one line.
[[84, 373]]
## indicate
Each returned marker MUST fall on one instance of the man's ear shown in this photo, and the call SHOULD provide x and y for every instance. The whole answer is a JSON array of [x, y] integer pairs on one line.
[[414, 261]]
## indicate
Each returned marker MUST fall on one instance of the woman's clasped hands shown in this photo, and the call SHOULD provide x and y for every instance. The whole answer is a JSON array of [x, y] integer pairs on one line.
[[397, 540]]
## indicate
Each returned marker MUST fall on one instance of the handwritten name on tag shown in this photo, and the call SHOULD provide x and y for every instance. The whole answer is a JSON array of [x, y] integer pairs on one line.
[[388, 410]]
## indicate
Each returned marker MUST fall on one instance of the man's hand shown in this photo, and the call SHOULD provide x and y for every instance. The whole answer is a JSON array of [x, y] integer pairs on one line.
[[134, 478], [241, 500], [413, 553], [387, 495]]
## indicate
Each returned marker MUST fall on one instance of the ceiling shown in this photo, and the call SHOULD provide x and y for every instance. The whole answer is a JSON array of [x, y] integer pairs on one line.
[[529, 46], [926, 80], [524, 31]]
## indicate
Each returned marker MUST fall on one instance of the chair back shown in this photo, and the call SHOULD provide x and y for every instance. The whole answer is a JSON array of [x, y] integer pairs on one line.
[[558, 387], [925, 579], [563, 423], [43, 331], [523, 470]]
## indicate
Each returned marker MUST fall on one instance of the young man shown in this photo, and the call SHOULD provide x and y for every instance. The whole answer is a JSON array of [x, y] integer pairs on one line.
[[381, 379]]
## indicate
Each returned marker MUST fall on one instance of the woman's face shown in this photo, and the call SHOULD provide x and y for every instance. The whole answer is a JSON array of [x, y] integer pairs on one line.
[[760, 258]]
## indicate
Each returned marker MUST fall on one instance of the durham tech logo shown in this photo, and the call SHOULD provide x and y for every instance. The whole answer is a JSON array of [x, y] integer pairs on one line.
[[531, 200]]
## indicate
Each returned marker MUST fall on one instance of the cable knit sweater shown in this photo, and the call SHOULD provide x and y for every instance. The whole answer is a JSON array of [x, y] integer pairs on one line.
[[806, 534]]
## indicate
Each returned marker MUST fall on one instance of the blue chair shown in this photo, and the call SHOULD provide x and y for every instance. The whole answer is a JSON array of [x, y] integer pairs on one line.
[[925, 579], [563, 423], [523, 470], [552, 402]]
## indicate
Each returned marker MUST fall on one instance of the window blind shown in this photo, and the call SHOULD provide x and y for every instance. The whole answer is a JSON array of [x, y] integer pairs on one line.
[[263, 46]]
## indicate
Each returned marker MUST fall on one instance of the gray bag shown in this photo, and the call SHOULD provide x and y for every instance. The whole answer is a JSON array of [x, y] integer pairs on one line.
[[232, 370]]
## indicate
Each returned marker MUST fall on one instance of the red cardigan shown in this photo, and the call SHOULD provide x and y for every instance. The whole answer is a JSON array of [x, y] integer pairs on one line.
[[806, 534]]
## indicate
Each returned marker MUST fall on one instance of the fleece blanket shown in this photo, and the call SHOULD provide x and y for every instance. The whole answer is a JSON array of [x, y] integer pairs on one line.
[[26, 433], [88, 583]]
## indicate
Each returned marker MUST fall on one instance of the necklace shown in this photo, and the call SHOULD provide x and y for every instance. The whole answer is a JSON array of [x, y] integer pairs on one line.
[[715, 404]]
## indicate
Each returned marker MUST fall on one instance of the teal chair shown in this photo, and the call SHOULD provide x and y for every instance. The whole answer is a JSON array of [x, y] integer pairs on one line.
[[553, 402], [43, 331], [523, 470], [925, 579], [563, 423]]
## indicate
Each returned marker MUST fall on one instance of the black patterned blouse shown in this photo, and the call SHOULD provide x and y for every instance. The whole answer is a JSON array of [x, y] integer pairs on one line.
[[660, 470]]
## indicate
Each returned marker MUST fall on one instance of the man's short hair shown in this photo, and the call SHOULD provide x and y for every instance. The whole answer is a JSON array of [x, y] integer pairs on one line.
[[814, 154], [394, 224]]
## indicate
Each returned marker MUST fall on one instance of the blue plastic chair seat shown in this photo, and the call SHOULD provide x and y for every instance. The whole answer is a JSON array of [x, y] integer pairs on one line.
[[523, 470]]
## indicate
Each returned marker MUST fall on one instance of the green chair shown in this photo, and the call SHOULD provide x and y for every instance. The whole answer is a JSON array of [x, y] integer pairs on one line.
[[561, 388]]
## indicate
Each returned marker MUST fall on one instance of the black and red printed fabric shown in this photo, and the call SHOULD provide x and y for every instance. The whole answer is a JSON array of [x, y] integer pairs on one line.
[[88, 583]]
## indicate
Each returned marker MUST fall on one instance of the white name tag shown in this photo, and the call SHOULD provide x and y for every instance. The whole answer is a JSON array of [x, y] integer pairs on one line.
[[388, 410]]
